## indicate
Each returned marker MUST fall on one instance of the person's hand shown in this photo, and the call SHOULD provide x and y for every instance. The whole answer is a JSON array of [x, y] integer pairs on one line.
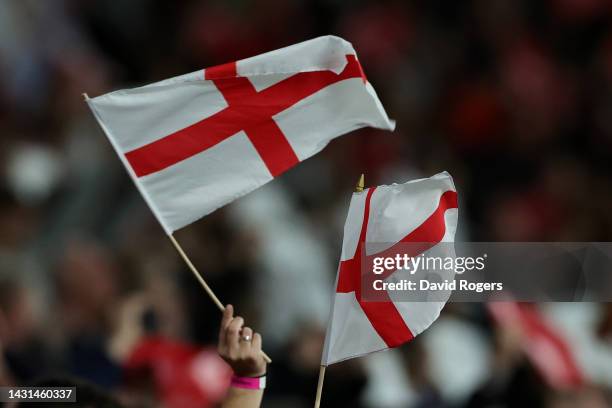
[[239, 346]]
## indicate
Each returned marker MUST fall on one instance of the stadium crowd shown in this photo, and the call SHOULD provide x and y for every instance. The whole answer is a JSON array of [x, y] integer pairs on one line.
[[512, 97]]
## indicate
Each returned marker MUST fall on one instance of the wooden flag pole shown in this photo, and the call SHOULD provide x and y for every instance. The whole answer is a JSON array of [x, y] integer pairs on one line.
[[197, 274], [207, 288], [358, 189], [320, 386]]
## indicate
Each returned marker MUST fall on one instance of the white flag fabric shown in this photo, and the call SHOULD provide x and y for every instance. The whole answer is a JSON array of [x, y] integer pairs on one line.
[[196, 142], [420, 211]]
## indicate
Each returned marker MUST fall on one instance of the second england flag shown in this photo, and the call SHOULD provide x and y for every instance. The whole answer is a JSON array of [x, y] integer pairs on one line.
[[420, 212], [196, 142]]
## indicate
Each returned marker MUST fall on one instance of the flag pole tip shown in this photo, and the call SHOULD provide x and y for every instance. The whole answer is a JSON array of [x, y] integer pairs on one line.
[[360, 184]]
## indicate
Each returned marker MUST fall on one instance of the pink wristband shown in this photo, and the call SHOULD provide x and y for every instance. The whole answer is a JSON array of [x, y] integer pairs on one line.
[[249, 383]]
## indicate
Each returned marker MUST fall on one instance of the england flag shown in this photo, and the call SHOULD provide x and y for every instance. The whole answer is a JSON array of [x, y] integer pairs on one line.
[[196, 142], [420, 212]]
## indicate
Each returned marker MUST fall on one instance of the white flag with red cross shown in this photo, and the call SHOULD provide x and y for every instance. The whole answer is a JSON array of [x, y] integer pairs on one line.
[[551, 354], [196, 142], [421, 212]]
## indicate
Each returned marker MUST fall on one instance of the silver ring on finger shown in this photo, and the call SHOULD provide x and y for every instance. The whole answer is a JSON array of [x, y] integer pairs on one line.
[[246, 338]]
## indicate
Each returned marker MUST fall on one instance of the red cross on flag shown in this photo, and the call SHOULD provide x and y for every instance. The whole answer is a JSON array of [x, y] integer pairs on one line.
[[196, 142], [419, 212], [547, 349]]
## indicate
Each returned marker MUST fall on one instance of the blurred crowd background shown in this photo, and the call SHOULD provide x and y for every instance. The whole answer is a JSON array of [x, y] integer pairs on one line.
[[512, 97]]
